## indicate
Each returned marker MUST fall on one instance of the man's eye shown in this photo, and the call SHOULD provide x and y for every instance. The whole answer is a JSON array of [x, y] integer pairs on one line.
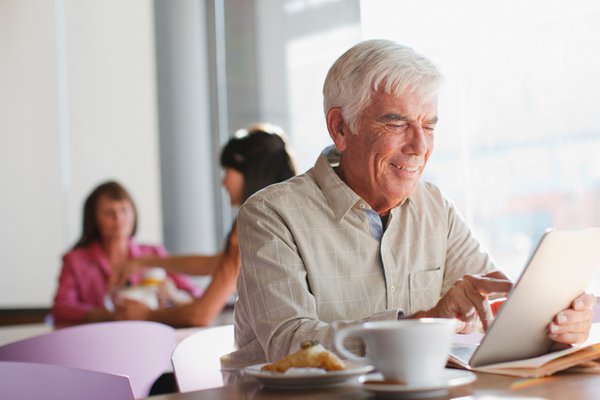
[[429, 128]]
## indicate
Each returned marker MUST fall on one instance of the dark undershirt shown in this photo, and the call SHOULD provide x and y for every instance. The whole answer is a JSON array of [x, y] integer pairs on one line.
[[384, 220]]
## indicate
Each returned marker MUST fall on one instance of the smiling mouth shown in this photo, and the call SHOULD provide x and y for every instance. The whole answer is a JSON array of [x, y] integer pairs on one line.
[[406, 169]]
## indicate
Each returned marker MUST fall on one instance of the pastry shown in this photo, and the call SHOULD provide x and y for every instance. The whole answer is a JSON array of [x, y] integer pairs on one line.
[[310, 355]]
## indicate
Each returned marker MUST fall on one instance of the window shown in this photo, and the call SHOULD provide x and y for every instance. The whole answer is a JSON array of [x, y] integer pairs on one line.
[[519, 137]]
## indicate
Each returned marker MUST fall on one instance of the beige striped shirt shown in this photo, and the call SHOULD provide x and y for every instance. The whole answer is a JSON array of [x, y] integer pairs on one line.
[[315, 257]]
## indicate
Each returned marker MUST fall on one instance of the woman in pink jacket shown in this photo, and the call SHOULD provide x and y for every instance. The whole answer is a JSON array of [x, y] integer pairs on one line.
[[90, 269]]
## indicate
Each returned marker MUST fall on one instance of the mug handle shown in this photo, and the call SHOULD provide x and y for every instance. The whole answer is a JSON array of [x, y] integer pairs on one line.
[[339, 342]]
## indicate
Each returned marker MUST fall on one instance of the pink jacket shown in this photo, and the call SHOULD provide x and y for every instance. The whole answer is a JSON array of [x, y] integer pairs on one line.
[[84, 277]]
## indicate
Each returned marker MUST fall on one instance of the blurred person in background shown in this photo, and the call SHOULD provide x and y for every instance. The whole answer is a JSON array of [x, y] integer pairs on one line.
[[91, 268], [253, 159]]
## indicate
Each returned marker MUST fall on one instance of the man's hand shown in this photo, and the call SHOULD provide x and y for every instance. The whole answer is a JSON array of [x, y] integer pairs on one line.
[[467, 300], [572, 326]]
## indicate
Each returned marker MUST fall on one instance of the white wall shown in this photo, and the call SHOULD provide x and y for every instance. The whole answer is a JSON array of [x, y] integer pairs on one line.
[[77, 107]]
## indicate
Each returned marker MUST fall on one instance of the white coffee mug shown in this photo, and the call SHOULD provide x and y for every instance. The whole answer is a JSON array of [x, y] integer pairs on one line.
[[410, 351]]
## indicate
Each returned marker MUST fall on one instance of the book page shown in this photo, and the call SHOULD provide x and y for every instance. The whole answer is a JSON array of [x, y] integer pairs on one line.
[[537, 362], [464, 346]]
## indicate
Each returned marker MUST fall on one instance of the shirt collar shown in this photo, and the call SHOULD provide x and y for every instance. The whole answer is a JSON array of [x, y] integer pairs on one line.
[[339, 195]]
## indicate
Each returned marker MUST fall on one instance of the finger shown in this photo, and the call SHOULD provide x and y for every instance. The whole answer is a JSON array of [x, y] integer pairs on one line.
[[454, 304], [569, 338], [568, 317], [489, 285], [472, 325], [579, 327], [497, 275], [482, 306], [584, 301], [461, 327], [479, 301]]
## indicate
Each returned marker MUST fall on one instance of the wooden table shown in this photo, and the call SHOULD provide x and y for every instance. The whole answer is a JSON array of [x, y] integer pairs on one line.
[[489, 387]]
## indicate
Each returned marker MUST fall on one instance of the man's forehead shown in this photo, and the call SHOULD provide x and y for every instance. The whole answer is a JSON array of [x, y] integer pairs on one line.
[[408, 106], [407, 96]]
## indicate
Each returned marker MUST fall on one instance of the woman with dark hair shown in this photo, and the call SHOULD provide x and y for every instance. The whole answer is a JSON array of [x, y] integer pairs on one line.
[[252, 160], [259, 155], [90, 268]]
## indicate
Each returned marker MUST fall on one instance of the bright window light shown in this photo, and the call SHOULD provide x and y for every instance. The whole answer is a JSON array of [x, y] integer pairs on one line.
[[518, 143]]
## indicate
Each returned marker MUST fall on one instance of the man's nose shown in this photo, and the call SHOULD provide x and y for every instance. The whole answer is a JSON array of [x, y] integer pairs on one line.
[[418, 144]]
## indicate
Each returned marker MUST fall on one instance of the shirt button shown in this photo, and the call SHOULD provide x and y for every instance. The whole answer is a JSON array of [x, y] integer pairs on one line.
[[363, 205], [392, 288]]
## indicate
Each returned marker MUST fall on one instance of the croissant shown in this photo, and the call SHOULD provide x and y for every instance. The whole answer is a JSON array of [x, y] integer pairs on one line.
[[310, 355]]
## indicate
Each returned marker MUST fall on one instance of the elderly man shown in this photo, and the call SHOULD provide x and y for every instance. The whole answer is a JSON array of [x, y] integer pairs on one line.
[[359, 237]]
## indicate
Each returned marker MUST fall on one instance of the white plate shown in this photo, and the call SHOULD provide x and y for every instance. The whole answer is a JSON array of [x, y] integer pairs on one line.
[[306, 380], [449, 379]]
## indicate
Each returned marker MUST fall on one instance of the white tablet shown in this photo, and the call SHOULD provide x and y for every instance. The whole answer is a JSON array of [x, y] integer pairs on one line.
[[560, 269]]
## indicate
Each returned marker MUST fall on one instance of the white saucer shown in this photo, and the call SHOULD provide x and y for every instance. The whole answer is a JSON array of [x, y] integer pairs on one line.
[[310, 379], [449, 379]]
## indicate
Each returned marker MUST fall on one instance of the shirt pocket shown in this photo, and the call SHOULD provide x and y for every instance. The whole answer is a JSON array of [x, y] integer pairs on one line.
[[425, 288]]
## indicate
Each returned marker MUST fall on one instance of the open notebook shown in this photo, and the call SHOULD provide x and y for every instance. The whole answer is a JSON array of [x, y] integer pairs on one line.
[[560, 269]]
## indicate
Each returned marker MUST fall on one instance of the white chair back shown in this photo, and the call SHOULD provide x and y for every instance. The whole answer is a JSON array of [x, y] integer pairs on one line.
[[196, 359]]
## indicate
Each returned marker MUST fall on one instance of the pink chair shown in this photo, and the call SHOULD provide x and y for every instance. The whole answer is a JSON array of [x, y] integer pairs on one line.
[[196, 359], [20, 380], [138, 349]]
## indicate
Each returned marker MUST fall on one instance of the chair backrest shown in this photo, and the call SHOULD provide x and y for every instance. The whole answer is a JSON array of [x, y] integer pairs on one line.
[[21, 380], [196, 361], [138, 349]]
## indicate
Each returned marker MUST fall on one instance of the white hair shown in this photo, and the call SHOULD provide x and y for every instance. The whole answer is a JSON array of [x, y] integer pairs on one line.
[[372, 66]]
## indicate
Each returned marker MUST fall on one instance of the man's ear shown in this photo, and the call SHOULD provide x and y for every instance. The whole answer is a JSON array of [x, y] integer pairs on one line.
[[338, 130]]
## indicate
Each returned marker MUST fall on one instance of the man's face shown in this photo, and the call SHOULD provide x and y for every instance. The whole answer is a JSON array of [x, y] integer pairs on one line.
[[384, 160]]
